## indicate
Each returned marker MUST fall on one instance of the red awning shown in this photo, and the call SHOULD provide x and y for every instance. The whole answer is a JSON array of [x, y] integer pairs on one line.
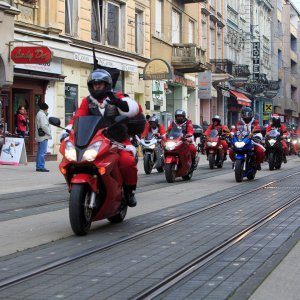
[[241, 98]]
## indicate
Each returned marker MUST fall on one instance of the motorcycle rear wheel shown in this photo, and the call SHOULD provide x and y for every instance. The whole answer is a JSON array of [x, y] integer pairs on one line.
[[271, 160], [120, 216], [148, 165], [211, 160], [79, 214], [170, 172], [239, 170]]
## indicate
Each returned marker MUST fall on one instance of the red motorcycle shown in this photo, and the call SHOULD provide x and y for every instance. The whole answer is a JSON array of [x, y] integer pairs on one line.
[[90, 167], [214, 149], [178, 160]]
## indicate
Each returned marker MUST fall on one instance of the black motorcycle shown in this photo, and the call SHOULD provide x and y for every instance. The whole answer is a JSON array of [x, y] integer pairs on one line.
[[274, 151]]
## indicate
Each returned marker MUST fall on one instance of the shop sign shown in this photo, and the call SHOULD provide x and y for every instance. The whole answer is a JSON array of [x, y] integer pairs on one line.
[[183, 81], [225, 93], [204, 85], [13, 152], [53, 67], [158, 88], [31, 55], [256, 60], [157, 69]]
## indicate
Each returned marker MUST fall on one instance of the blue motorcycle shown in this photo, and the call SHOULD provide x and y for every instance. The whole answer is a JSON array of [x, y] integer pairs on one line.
[[245, 157]]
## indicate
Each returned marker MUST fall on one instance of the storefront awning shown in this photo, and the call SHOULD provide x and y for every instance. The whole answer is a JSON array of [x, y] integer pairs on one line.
[[241, 98]]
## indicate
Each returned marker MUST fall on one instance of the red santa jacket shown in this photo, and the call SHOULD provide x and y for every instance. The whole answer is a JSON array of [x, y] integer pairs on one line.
[[161, 129], [187, 127], [223, 128]]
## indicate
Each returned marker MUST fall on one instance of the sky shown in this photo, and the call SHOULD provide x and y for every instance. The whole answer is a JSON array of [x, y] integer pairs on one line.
[[296, 3]]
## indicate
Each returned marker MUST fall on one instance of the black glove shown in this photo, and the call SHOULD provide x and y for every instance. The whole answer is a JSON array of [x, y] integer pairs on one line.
[[113, 100]]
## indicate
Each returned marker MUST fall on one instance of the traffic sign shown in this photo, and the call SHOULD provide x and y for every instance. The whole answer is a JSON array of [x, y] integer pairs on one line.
[[268, 108]]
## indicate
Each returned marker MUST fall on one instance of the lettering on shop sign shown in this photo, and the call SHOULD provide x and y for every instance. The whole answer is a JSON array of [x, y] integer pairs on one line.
[[256, 60], [31, 55]]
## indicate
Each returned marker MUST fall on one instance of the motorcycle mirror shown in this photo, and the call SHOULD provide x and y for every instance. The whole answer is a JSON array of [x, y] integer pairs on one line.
[[54, 121]]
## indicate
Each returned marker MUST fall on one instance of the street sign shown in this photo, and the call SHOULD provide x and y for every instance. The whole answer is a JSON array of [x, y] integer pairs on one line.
[[268, 108], [225, 93]]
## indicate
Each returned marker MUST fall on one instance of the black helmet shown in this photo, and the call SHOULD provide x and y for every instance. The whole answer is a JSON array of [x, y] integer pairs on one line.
[[276, 120], [99, 75], [153, 122], [247, 114], [180, 116], [217, 119]]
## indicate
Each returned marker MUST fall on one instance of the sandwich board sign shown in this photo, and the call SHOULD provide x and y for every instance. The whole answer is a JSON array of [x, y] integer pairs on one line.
[[13, 152]]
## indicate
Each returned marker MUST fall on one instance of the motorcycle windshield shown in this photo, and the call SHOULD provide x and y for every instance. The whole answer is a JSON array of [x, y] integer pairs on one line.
[[273, 133], [85, 128], [175, 133], [149, 136], [213, 134]]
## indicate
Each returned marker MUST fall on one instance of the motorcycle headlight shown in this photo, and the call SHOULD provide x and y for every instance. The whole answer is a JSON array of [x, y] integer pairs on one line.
[[91, 152], [272, 142], [294, 142], [152, 146], [170, 145], [70, 152], [239, 144], [288, 140]]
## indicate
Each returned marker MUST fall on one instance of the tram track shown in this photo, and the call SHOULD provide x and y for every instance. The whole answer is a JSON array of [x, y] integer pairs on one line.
[[10, 281], [142, 188]]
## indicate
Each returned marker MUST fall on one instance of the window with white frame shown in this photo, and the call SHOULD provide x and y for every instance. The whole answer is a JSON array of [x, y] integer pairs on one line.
[[191, 31], [158, 18], [139, 31], [71, 15], [106, 22], [176, 27], [204, 35]]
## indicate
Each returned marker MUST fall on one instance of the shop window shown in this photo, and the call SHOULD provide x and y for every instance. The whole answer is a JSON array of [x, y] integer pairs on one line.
[[110, 24], [120, 83], [71, 101]]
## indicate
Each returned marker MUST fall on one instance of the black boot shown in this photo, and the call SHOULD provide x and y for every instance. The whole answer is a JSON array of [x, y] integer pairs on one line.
[[258, 167], [284, 158], [225, 157], [129, 195]]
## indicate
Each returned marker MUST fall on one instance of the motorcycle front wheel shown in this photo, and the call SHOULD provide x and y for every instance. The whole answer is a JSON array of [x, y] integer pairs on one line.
[[148, 165], [271, 159], [80, 214], [170, 172], [239, 170], [211, 160]]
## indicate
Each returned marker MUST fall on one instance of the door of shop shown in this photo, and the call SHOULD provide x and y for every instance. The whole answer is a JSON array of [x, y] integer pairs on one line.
[[28, 93]]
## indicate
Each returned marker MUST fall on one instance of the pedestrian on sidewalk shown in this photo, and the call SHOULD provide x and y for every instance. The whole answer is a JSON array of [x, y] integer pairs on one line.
[[42, 135]]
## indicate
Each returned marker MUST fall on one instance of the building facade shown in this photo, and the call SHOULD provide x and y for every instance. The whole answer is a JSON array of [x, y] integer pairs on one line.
[[286, 60], [175, 41], [118, 30]]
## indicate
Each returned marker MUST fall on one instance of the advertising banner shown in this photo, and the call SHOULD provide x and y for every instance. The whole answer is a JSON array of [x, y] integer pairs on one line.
[[13, 152], [204, 85]]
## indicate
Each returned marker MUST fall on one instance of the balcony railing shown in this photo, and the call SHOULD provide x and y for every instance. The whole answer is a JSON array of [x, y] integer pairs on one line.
[[221, 66], [191, 1], [188, 58]]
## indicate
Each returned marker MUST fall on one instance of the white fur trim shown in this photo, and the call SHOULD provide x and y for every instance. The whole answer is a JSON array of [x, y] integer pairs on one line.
[[133, 108], [130, 148]]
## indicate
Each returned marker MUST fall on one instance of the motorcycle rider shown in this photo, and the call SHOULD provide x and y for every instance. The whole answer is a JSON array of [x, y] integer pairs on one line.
[[216, 124], [250, 125], [187, 129], [154, 127], [276, 123], [104, 102]]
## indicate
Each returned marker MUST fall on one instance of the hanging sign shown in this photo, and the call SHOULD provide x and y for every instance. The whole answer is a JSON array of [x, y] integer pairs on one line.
[[13, 152], [31, 55]]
